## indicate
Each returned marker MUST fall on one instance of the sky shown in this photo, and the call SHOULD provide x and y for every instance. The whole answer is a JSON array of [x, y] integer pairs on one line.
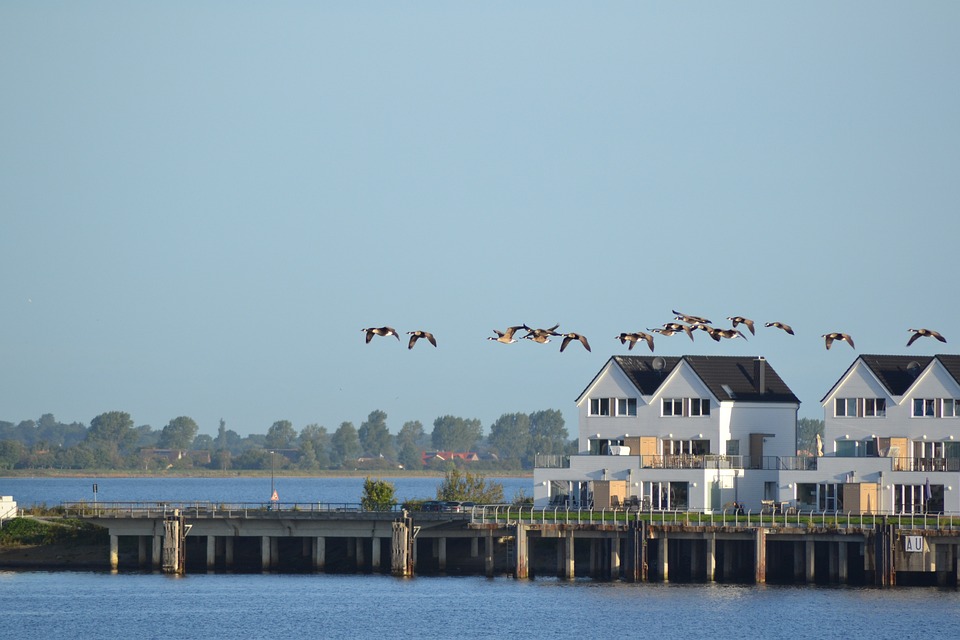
[[203, 203]]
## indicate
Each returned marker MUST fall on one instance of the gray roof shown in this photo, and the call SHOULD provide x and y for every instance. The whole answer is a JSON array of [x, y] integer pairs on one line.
[[897, 373], [727, 377]]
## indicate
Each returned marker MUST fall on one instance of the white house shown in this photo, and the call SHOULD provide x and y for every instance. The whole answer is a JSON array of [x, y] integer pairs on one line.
[[690, 432], [891, 439], [8, 508]]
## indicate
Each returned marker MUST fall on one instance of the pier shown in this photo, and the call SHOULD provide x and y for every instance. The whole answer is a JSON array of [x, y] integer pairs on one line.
[[630, 545]]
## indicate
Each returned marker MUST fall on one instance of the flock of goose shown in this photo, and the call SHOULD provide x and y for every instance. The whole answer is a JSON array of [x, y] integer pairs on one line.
[[682, 323]]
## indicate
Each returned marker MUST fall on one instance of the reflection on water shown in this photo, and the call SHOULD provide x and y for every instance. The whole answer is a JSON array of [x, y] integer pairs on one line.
[[101, 605]]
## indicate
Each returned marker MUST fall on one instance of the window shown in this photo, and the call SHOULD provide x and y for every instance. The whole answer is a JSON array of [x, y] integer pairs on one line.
[[860, 408], [733, 447], [599, 406], [606, 406], [672, 407], [699, 407], [688, 447], [626, 406], [692, 407]]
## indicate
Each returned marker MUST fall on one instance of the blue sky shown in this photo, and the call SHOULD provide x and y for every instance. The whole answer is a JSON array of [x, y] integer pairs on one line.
[[202, 203]]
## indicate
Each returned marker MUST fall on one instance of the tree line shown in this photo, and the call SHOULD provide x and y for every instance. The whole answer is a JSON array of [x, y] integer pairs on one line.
[[112, 441]]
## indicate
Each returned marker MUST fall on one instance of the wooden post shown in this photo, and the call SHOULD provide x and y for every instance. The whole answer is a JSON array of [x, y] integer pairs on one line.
[[711, 567], [521, 562], [402, 547], [114, 552], [760, 556]]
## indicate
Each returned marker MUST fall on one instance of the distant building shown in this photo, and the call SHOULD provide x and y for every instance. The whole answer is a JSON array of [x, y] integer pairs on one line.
[[8, 508], [198, 456], [465, 456]]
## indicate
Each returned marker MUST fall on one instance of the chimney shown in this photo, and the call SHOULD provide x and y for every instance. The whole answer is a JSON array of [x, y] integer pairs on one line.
[[760, 374]]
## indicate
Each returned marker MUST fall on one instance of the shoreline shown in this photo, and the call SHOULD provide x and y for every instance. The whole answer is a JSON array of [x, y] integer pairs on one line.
[[242, 473]]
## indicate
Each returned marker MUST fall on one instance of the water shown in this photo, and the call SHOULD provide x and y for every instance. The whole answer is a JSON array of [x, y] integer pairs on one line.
[[53, 491], [38, 604], [101, 605]]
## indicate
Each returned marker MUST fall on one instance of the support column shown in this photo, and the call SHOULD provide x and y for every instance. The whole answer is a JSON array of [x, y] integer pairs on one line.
[[663, 563], [375, 554], [274, 552], [569, 568], [811, 561], [798, 550], [142, 551], [474, 547], [760, 556], [711, 567], [211, 552], [488, 563], [594, 553], [842, 562], [265, 547], [441, 554], [615, 557], [228, 551], [319, 553], [361, 556], [156, 549], [114, 552], [832, 553], [521, 569]]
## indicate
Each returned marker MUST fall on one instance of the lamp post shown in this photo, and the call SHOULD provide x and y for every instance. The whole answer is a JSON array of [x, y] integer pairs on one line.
[[273, 491]]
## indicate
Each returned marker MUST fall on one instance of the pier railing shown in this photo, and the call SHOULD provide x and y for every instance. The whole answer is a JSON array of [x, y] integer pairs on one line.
[[512, 514], [208, 509]]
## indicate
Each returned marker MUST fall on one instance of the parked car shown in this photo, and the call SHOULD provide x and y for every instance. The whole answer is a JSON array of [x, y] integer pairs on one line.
[[453, 506]]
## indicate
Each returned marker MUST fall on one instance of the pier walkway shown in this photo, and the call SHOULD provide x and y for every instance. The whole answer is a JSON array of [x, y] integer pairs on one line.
[[524, 541]]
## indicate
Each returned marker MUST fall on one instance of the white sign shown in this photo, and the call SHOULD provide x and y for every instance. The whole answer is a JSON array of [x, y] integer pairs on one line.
[[913, 544]]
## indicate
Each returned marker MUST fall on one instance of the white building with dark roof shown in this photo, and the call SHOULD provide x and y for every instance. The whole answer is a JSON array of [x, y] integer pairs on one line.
[[891, 439], [687, 433]]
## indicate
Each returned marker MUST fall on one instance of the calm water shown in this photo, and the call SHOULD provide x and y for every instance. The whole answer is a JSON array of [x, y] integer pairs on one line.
[[100, 605], [145, 605], [53, 491]]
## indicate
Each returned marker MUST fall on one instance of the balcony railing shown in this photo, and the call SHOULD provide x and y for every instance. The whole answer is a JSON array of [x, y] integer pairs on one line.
[[926, 464], [552, 461], [709, 461]]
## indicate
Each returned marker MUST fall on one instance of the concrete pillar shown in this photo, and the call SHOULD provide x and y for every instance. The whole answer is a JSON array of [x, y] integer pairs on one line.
[[663, 562], [211, 552], [375, 553], [114, 552], [361, 556], [474, 547], [811, 561], [441, 551], [274, 552], [319, 553], [228, 551], [615, 557], [956, 557], [521, 563], [569, 568], [760, 556], [142, 551], [798, 551], [711, 564], [842, 562], [696, 558], [594, 552], [156, 549], [729, 547], [488, 563], [833, 550], [265, 548]]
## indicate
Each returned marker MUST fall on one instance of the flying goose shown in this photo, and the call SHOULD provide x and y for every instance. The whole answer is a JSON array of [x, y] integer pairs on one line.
[[567, 337], [416, 335], [735, 320], [380, 331], [690, 319], [633, 338], [541, 335], [506, 337], [780, 325], [676, 326], [918, 333], [830, 337], [669, 332], [716, 334]]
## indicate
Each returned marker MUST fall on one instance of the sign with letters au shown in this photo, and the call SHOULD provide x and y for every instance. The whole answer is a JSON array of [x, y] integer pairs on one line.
[[913, 544]]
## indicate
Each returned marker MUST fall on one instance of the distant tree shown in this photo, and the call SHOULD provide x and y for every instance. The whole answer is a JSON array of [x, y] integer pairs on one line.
[[145, 437], [378, 495], [548, 434], [466, 486], [110, 438], [374, 437], [315, 445], [178, 434], [451, 433], [281, 435], [203, 442], [510, 437], [408, 442], [10, 453], [807, 430], [346, 445]]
